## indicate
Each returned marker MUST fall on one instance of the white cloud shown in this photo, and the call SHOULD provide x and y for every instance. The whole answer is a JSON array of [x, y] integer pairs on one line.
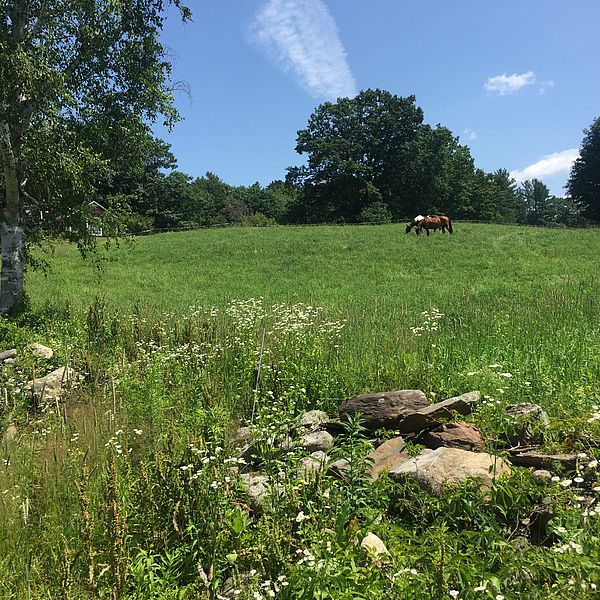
[[302, 38], [508, 84], [470, 134], [552, 164]]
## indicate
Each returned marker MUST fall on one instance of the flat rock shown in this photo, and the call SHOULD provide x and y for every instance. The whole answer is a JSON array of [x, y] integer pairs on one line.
[[12, 353], [540, 460], [384, 409], [450, 466], [454, 435], [386, 456], [434, 414]]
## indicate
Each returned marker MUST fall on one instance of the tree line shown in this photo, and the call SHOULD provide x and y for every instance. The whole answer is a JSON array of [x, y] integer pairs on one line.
[[370, 158]]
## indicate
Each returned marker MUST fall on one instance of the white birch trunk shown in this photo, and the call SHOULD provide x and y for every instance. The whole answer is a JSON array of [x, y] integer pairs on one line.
[[11, 233]]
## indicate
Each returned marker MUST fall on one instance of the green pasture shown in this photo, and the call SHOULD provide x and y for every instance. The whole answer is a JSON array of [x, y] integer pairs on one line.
[[342, 267], [124, 488]]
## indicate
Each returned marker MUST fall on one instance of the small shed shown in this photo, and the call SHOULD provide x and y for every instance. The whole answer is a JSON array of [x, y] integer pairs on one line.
[[94, 225]]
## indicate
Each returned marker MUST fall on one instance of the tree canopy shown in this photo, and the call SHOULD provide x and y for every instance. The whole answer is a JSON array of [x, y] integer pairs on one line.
[[584, 182]]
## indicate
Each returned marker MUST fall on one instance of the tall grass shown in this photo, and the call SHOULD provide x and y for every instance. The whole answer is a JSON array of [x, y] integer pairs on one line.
[[125, 488]]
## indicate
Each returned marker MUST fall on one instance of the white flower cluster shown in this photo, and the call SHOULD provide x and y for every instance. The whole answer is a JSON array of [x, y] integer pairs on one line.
[[430, 320]]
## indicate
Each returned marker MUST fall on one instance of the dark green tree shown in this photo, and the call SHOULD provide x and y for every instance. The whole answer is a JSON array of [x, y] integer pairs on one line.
[[79, 81], [584, 182], [536, 200], [354, 147]]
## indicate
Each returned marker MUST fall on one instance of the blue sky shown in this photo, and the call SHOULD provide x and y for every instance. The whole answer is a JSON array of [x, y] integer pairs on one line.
[[517, 81]]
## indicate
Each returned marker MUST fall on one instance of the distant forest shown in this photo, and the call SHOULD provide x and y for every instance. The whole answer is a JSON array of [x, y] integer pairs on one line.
[[369, 159]]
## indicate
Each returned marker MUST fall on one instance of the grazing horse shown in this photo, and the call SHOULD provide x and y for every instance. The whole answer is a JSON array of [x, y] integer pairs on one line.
[[430, 222]]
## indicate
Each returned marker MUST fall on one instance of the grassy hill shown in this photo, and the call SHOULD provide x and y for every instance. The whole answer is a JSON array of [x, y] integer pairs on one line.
[[124, 486]]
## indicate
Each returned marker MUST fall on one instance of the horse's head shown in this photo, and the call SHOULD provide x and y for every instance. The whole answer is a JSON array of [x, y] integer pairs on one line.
[[409, 227]]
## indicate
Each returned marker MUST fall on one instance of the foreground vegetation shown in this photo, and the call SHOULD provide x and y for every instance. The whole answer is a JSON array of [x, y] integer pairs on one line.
[[126, 487]]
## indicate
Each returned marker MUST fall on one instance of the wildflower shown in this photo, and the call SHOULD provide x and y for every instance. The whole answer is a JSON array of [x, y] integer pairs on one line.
[[252, 572], [582, 455], [555, 479], [471, 373], [593, 464], [494, 366], [507, 375], [566, 483], [454, 593], [138, 431], [481, 588], [301, 517], [499, 597], [579, 480]]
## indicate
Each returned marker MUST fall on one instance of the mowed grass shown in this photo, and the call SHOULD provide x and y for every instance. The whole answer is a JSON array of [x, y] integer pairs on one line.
[[525, 298]]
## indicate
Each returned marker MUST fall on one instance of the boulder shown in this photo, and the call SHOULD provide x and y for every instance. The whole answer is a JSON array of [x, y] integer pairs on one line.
[[51, 386], [434, 414], [312, 419], [316, 440], [41, 351], [450, 466], [384, 409], [454, 435], [386, 456]]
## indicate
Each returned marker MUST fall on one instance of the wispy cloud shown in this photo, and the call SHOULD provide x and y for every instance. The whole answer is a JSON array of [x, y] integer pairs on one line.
[[508, 84], [302, 38], [470, 134], [552, 164]]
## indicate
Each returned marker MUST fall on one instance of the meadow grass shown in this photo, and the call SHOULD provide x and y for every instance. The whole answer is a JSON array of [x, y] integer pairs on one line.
[[125, 488]]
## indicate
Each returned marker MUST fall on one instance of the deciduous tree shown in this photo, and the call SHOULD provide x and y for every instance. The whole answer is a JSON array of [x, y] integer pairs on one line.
[[79, 81]]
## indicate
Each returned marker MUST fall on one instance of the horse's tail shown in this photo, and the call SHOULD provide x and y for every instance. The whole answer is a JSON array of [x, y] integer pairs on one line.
[[449, 225]]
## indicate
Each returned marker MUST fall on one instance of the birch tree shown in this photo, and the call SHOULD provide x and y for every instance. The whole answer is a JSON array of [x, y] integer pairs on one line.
[[79, 84]]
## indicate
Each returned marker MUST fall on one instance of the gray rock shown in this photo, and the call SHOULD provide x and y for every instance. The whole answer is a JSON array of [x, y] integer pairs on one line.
[[434, 414], [313, 419], [312, 465], [339, 468], [52, 386], [242, 437], [317, 440], [384, 409], [12, 353], [41, 351], [256, 486], [530, 421], [10, 434], [542, 477], [450, 466]]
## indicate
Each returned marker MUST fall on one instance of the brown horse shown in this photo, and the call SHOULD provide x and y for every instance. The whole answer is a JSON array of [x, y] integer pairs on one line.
[[430, 222]]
